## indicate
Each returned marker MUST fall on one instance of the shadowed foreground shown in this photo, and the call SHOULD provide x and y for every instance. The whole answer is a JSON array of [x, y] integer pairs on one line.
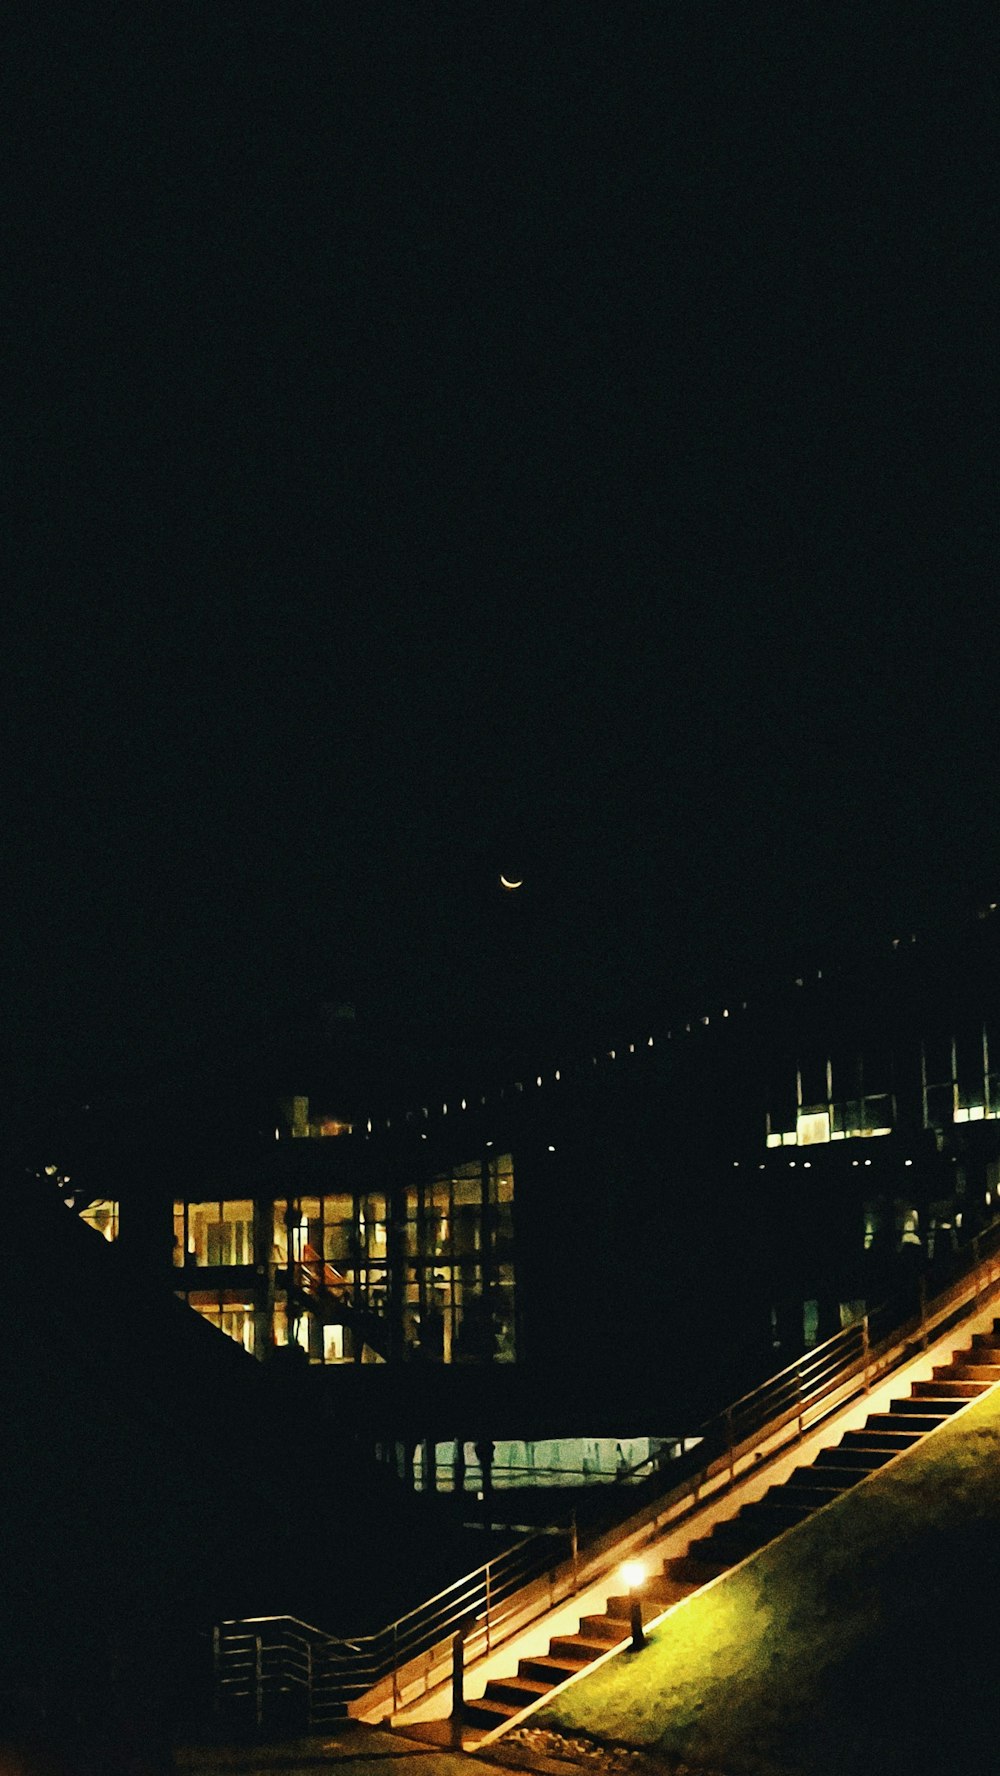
[[859, 1643]]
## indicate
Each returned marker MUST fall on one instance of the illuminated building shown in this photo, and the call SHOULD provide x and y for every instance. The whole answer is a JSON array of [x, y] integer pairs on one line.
[[799, 1147], [337, 1257]]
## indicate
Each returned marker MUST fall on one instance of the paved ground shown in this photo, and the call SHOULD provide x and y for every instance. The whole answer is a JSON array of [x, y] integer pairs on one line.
[[359, 1750], [353, 1749]]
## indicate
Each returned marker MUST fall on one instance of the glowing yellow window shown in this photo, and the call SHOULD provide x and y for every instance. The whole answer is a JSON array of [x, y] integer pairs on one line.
[[812, 1127]]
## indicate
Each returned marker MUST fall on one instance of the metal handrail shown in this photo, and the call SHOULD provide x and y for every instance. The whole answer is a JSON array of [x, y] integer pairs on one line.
[[338, 1670], [346, 1668]]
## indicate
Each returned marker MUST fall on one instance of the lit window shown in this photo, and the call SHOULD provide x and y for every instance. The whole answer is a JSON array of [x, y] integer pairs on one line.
[[812, 1127], [103, 1217]]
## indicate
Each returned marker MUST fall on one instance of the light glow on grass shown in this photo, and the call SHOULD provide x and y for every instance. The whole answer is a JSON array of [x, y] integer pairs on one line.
[[818, 1655]]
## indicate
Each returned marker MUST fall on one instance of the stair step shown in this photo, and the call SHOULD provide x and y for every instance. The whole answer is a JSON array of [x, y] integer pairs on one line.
[[551, 1670], [878, 1437], [733, 1542], [655, 1593], [685, 1569], [805, 1498], [985, 1341], [826, 1481], [715, 1552], [576, 1646], [781, 1513], [948, 1390], [906, 1424], [519, 1691], [936, 1403], [485, 1711], [854, 1456], [606, 1628], [972, 1371], [682, 1577]]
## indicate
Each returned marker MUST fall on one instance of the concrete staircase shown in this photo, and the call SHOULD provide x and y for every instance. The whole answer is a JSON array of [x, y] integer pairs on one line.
[[858, 1453]]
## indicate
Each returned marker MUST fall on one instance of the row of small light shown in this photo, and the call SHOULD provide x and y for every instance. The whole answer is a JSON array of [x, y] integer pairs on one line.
[[689, 1027], [517, 1085], [807, 1163]]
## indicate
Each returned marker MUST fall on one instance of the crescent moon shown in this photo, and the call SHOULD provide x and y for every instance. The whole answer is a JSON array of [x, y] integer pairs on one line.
[[505, 884]]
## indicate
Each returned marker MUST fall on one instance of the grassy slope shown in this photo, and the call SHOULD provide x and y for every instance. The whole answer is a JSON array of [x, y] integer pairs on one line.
[[867, 1641]]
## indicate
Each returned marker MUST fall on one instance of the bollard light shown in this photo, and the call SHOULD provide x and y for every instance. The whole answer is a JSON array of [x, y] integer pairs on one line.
[[633, 1575]]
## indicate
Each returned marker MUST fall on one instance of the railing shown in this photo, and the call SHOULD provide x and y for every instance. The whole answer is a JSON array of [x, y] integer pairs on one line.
[[276, 1667], [276, 1671]]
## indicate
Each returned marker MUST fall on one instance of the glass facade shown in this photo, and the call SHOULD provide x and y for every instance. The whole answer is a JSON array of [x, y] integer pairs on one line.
[[423, 1274], [837, 1098]]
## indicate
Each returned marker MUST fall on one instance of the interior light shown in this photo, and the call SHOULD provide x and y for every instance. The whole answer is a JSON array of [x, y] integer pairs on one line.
[[551, 1149], [632, 1574], [806, 1163], [463, 1103], [908, 1162], [557, 1072], [868, 1162], [650, 1043]]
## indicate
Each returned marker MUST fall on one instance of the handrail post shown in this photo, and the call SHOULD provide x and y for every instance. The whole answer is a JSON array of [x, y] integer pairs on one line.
[[922, 1290], [575, 1550], [866, 1350], [976, 1265], [729, 1441], [258, 1674], [217, 1669], [798, 1384], [463, 1628], [395, 1669], [489, 1563]]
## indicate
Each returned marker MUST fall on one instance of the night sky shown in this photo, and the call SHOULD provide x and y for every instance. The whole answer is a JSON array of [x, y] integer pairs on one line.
[[454, 438]]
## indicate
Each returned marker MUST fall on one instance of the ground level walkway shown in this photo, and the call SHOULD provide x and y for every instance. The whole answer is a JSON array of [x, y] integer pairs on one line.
[[352, 1749]]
